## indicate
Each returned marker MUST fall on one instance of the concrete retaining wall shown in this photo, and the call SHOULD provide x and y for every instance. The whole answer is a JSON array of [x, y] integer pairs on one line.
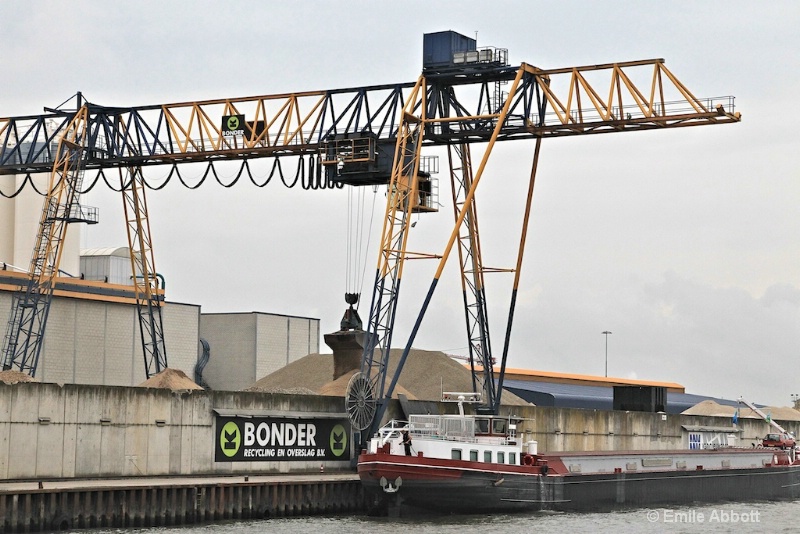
[[567, 429], [51, 431]]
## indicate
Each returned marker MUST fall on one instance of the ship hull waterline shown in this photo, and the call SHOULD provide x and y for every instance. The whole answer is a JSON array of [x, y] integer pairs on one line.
[[451, 486]]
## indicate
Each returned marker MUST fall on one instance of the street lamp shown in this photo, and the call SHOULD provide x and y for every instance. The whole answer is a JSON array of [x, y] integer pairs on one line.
[[605, 333]]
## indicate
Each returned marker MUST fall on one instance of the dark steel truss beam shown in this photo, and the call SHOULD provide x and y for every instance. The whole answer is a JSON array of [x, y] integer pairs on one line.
[[547, 103]]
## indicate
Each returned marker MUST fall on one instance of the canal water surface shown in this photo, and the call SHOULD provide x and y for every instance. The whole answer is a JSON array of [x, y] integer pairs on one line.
[[771, 517]]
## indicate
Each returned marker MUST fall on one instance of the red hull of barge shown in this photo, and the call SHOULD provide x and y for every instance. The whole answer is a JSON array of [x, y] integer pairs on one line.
[[448, 486]]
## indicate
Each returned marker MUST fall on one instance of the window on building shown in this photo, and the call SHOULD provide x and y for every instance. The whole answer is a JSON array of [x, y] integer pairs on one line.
[[512, 458], [473, 456], [501, 457], [455, 454], [487, 456]]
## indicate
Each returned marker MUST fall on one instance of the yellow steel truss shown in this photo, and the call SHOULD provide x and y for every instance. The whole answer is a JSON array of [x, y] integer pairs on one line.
[[285, 120], [626, 104]]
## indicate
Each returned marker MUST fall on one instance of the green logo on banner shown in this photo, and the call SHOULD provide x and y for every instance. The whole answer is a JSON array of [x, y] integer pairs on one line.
[[230, 439], [233, 122], [338, 440]]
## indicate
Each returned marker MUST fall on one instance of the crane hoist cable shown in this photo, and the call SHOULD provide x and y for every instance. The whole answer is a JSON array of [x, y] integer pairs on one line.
[[355, 217], [369, 236], [356, 252]]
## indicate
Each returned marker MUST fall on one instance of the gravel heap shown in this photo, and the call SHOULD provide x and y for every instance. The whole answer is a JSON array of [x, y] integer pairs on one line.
[[338, 388], [425, 375], [173, 379], [709, 408], [14, 377], [310, 372]]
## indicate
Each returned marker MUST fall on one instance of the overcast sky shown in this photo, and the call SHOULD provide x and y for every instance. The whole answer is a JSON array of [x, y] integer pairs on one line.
[[684, 243]]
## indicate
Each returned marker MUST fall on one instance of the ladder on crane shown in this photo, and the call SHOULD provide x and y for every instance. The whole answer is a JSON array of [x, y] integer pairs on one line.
[[30, 306]]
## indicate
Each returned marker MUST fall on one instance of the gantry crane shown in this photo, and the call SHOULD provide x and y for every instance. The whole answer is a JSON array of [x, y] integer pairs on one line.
[[374, 135], [532, 107]]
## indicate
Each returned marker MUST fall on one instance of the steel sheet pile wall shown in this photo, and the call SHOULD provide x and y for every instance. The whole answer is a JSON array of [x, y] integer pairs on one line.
[[44, 510]]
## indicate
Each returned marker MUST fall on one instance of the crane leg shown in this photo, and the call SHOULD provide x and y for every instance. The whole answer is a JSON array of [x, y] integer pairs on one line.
[[465, 208], [22, 344], [517, 272], [149, 297], [472, 274], [400, 200]]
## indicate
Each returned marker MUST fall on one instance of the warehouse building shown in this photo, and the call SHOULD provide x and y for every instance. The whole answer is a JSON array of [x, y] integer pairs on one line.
[[567, 390], [93, 336]]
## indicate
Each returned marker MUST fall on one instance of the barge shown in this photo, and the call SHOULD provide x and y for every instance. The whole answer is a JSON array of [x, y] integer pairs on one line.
[[470, 464]]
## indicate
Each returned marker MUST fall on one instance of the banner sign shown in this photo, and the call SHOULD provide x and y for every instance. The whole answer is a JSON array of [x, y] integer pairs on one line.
[[232, 125], [279, 439]]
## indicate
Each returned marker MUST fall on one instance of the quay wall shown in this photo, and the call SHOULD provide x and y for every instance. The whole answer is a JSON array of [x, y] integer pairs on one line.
[[52, 431], [570, 429], [119, 506]]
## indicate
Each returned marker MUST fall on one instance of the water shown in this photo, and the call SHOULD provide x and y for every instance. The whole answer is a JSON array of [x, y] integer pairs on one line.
[[772, 517]]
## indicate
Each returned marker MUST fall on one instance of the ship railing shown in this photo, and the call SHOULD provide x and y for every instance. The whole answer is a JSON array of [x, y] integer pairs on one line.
[[450, 427], [391, 430]]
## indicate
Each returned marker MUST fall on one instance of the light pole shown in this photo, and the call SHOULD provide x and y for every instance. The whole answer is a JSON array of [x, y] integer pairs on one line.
[[605, 333]]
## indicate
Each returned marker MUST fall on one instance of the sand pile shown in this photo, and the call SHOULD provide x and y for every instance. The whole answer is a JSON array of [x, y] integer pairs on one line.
[[710, 408], [310, 372], [783, 413], [173, 379], [425, 375], [338, 388], [14, 377]]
